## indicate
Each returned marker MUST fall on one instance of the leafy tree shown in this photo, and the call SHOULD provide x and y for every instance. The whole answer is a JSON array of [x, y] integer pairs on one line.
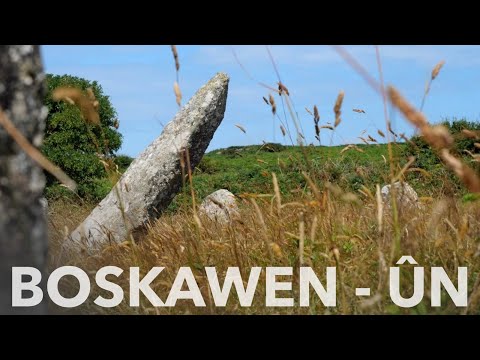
[[72, 143]]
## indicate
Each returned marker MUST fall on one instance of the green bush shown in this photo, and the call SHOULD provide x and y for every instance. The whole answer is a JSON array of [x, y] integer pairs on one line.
[[462, 142], [272, 147], [75, 145], [207, 166], [427, 158], [233, 151], [95, 190], [123, 162], [57, 191]]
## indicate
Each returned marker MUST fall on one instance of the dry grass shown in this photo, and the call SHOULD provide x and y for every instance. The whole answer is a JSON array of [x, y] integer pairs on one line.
[[64, 215], [433, 76], [337, 108], [335, 231], [272, 104], [178, 93], [175, 57], [176, 86], [87, 103]]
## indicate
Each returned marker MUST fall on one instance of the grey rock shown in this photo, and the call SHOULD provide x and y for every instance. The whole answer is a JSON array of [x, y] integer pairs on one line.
[[23, 230], [406, 195], [155, 176], [219, 206]]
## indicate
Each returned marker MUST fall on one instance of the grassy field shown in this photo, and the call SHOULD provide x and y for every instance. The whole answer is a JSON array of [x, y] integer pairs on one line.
[[330, 217], [248, 170]]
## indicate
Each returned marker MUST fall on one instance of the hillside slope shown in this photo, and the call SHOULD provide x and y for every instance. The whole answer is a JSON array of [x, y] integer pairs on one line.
[[248, 169]]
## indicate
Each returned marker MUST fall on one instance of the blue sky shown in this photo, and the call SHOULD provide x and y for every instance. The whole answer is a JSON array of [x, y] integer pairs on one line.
[[139, 80]]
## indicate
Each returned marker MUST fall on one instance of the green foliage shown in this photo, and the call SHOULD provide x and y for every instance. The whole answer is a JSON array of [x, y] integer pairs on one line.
[[272, 147], [348, 247], [248, 170], [92, 191], [207, 166], [123, 162], [470, 197], [232, 151], [427, 158], [75, 145], [462, 142], [238, 151], [96, 189], [56, 191]]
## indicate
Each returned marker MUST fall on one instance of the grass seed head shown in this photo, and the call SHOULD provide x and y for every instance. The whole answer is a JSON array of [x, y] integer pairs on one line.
[[272, 103], [178, 93], [436, 69], [175, 57], [241, 128], [412, 115], [86, 103], [316, 115], [337, 108]]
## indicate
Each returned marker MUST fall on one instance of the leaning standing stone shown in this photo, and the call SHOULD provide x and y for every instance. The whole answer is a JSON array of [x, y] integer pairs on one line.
[[155, 177]]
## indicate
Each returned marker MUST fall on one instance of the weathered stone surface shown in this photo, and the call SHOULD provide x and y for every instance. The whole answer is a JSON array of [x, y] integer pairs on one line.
[[23, 231], [155, 177], [44, 203], [406, 195], [219, 206]]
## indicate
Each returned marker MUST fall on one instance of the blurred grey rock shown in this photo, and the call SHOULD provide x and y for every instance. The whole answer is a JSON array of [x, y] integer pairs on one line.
[[405, 194], [23, 230]]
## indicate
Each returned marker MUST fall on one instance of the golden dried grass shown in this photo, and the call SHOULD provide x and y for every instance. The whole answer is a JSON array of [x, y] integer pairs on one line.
[[86, 103]]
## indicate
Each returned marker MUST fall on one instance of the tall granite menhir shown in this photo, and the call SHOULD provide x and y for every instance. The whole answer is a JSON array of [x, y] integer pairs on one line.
[[155, 177], [23, 229]]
